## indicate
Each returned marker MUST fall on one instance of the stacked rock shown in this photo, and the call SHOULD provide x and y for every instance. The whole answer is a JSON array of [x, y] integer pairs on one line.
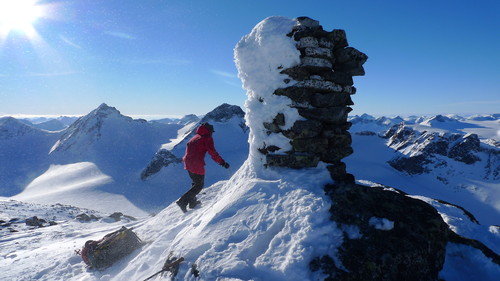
[[322, 96]]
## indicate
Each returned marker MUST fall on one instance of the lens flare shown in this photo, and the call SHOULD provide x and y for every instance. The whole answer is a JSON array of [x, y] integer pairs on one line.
[[19, 16]]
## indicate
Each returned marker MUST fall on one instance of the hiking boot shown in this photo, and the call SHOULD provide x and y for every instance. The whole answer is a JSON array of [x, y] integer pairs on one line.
[[182, 205], [194, 203]]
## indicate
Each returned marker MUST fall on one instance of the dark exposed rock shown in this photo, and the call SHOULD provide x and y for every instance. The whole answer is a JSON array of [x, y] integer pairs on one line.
[[339, 38], [329, 100], [335, 154], [304, 129], [350, 61], [421, 149], [321, 94], [117, 216], [462, 149], [297, 73], [308, 22], [37, 222], [162, 158], [409, 244], [266, 149], [316, 64], [388, 235], [413, 165], [86, 218], [339, 174], [314, 145], [332, 115], [339, 77], [296, 94], [322, 86], [294, 161]]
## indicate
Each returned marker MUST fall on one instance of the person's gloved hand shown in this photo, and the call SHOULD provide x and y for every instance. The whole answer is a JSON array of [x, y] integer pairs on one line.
[[225, 164]]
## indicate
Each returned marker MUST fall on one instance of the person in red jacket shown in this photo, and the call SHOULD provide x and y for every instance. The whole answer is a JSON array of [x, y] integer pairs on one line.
[[194, 163]]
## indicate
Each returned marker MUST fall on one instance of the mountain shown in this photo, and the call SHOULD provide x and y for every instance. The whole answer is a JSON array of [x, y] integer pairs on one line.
[[118, 144], [366, 122], [51, 125], [419, 149], [115, 146], [190, 118], [103, 153], [441, 159], [23, 154]]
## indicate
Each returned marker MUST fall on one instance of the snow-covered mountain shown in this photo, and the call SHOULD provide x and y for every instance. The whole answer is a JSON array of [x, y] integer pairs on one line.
[[190, 118], [23, 154], [102, 155], [49, 123], [450, 158], [423, 152]]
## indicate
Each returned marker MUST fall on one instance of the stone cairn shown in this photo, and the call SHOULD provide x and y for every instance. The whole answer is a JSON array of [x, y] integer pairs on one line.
[[322, 95]]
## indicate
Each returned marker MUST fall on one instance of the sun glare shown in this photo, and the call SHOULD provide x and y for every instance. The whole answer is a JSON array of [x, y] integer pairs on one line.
[[18, 15]]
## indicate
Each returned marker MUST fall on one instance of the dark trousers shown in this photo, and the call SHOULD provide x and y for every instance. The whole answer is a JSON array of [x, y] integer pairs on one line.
[[196, 186]]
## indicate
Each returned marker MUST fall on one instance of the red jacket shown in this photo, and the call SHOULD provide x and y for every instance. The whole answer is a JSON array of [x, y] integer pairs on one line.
[[196, 149]]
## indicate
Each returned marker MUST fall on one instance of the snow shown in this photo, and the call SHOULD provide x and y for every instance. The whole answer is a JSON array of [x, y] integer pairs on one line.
[[247, 228], [255, 224], [76, 184], [381, 223], [464, 263], [259, 57]]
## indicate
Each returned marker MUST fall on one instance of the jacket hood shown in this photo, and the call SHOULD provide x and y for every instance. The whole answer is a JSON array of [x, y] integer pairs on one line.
[[203, 131]]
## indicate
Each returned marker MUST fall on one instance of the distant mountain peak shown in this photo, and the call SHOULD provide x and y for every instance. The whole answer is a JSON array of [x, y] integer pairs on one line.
[[11, 127], [88, 127], [223, 113], [105, 110], [190, 118]]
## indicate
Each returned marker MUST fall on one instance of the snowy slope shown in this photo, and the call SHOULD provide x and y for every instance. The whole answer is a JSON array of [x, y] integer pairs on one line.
[[77, 185], [247, 228], [23, 154]]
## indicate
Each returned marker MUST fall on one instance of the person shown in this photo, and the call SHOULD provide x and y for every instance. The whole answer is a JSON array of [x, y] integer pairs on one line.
[[194, 163]]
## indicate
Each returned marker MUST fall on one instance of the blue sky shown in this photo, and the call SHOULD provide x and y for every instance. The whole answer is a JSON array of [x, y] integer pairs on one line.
[[153, 57]]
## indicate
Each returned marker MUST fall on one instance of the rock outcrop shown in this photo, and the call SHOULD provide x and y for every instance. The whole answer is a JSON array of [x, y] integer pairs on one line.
[[423, 152], [162, 158], [388, 236], [322, 96]]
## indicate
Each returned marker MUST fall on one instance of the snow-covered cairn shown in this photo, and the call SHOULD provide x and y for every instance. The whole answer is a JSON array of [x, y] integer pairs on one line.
[[299, 84]]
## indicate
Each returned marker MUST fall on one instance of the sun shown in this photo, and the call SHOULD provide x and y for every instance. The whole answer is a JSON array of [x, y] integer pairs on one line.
[[19, 15]]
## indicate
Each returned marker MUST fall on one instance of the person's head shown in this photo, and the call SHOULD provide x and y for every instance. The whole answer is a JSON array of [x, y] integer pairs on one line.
[[209, 126]]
